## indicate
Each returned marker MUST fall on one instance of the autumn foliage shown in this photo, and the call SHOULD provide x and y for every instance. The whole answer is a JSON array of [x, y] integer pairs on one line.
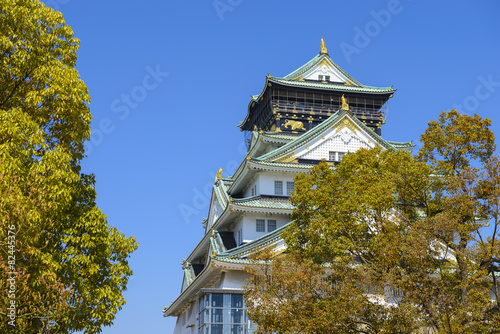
[[388, 242]]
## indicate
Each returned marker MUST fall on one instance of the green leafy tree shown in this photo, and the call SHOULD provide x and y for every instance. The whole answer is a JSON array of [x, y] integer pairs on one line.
[[62, 267], [408, 232]]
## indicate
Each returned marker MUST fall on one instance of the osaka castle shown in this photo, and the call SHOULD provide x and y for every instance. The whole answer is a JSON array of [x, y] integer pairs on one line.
[[316, 113]]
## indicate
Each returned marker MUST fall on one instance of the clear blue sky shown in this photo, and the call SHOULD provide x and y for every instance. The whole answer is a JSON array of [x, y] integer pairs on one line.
[[154, 151]]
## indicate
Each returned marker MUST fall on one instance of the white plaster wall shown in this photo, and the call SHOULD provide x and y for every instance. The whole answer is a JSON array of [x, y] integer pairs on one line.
[[190, 317], [232, 280], [249, 221], [343, 142], [335, 76], [266, 182], [237, 227], [248, 189], [215, 212]]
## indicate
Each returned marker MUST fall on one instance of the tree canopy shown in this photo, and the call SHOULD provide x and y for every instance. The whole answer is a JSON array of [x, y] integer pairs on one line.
[[63, 267], [401, 243]]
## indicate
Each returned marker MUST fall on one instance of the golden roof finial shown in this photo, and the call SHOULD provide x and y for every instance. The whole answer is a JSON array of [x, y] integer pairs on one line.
[[219, 174], [323, 47]]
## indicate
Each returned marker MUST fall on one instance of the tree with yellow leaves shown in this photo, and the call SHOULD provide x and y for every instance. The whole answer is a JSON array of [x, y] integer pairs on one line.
[[62, 267], [388, 242]]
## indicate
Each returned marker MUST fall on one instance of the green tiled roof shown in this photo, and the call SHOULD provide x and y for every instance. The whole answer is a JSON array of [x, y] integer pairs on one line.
[[284, 164], [319, 57], [302, 139], [279, 135], [399, 145], [264, 202], [245, 249], [292, 79], [330, 86]]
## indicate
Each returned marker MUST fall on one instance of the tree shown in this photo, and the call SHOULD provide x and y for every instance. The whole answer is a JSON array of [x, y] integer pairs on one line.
[[63, 268], [407, 230]]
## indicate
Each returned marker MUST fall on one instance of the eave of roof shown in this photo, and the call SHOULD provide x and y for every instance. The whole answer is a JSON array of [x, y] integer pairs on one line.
[[264, 202], [333, 86], [252, 246]]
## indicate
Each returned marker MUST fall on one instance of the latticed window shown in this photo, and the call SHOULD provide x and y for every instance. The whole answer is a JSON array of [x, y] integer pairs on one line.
[[332, 156], [278, 187], [336, 156], [222, 314], [261, 225], [289, 187], [271, 225]]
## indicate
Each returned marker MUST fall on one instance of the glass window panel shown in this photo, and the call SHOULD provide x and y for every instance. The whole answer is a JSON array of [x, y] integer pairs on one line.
[[289, 187], [278, 187], [227, 329], [217, 315], [236, 329], [216, 329], [236, 316], [207, 315], [236, 301], [261, 225], [271, 225], [227, 315], [217, 299], [207, 300], [202, 318], [227, 301]]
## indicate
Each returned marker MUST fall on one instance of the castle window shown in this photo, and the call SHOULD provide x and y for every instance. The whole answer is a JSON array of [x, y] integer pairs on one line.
[[336, 156], [320, 77], [271, 225], [278, 187], [261, 225], [327, 78], [289, 187], [222, 313], [240, 237], [254, 190]]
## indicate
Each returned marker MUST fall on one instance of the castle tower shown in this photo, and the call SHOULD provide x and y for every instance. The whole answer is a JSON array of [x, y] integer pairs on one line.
[[318, 112]]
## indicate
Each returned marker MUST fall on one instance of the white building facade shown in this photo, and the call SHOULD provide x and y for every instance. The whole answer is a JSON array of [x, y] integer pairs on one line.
[[316, 113]]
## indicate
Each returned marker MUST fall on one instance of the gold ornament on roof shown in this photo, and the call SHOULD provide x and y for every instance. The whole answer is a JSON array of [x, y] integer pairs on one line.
[[345, 106], [219, 174], [323, 47], [294, 125]]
